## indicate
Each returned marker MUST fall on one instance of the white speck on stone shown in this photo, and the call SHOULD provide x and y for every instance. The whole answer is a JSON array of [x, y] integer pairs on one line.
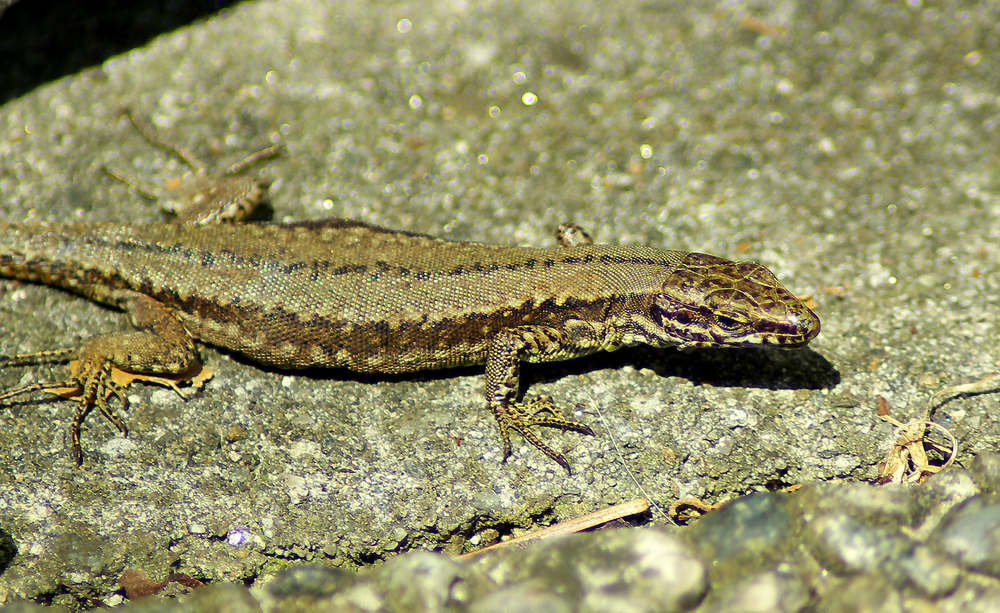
[[399, 535], [77, 577], [119, 446], [267, 526], [480, 54], [38, 513], [161, 396], [114, 600], [297, 489], [303, 449], [738, 416], [237, 537]]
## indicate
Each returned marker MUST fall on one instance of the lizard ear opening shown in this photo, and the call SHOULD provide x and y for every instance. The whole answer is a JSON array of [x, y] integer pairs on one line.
[[656, 315], [662, 312]]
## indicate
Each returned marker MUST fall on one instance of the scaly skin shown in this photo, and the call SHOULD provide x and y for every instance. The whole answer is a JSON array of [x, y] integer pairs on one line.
[[337, 293]]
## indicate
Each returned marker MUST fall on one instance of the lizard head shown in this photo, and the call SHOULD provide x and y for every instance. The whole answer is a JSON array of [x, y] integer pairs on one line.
[[708, 301]]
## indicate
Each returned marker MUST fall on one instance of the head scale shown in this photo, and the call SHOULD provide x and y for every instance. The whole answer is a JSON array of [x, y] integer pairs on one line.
[[710, 302]]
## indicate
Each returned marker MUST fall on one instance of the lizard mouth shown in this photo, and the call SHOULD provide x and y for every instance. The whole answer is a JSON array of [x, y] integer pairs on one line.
[[807, 323], [802, 325]]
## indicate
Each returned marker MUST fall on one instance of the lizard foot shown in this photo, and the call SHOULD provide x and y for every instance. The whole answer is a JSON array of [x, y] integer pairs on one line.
[[539, 411], [91, 385]]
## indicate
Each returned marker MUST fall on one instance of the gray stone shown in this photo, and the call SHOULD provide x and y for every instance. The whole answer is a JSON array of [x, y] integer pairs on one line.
[[952, 486], [424, 581], [862, 595], [971, 533], [628, 570], [307, 581], [745, 533], [985, 470], [766, 592], [521, 599], [220, 598], [924, 569], [851, 147], [849, 546]]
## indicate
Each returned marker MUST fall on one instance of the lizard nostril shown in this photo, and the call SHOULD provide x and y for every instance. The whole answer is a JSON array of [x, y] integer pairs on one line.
[[806, 323]]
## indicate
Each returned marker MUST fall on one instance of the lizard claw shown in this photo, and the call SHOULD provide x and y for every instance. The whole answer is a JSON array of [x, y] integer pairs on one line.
[[91, 385], [535, 412]]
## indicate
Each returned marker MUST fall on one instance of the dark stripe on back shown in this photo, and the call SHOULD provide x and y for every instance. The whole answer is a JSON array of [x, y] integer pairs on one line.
[[211, 257]]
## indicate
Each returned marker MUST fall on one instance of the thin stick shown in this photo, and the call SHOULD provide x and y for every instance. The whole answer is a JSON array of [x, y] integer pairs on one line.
[[624, 509]]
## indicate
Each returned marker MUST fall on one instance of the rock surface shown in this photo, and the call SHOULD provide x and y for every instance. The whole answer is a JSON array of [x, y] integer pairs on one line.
[[850, 147]]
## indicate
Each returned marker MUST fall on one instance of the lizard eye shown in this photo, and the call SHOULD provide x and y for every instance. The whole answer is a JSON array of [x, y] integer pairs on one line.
[[730, 321]]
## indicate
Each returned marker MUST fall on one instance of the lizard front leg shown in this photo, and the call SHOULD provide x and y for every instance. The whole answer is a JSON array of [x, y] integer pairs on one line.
[[160, 345], [535, 344]]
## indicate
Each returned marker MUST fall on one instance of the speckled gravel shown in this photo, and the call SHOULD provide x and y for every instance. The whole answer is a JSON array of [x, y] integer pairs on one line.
[[827, 547]]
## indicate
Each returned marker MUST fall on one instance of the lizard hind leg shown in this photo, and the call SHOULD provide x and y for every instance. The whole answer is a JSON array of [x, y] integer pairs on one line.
[[159, 346], [96, 387], [205, 198], [90, 385]]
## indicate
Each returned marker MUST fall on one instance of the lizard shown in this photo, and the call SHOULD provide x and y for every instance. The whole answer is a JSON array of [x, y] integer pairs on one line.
[[337, 293]]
